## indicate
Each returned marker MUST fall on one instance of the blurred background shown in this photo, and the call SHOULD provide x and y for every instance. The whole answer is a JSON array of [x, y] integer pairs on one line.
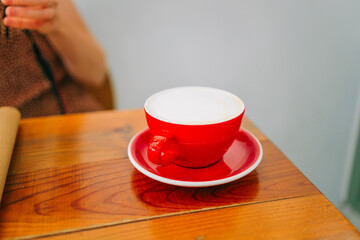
[[296, 65]]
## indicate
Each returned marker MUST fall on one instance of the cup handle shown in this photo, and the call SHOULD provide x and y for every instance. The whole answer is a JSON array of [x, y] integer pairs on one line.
[[162, 150]]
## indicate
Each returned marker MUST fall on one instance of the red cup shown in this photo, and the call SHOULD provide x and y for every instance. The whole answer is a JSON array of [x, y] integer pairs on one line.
[[190, 145]]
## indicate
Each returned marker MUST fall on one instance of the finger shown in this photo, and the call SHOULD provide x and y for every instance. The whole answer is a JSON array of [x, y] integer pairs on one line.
[[31, 24], [35, 13], [23, 23], [29, 2]]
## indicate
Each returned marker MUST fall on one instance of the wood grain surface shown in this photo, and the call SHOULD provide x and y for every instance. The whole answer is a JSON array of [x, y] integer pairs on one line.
[[71, 173], [294, 218], [52, 142]]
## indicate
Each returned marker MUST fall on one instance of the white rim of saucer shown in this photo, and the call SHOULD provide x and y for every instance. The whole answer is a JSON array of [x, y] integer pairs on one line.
[[198, 183]]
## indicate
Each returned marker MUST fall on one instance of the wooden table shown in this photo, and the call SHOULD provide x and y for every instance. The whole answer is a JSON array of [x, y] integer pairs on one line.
[[70, 178]]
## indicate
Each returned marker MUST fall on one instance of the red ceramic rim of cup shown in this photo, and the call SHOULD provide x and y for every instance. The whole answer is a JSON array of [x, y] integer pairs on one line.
[[241, 111]]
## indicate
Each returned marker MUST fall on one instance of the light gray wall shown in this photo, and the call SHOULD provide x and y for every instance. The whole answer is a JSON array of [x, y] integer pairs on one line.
[[296, 65]]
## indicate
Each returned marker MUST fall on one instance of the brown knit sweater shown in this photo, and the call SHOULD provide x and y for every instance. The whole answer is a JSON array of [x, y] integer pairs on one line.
[[24, 83]]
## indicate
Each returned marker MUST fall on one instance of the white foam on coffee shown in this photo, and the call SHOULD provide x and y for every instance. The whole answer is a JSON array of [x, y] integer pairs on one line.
[[194, 105]]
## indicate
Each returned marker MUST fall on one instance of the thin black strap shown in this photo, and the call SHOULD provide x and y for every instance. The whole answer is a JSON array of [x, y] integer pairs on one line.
[[46, 68], [6, 28]]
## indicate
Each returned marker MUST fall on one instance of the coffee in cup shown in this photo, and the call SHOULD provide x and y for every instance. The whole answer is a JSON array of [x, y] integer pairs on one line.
[[192, 126]]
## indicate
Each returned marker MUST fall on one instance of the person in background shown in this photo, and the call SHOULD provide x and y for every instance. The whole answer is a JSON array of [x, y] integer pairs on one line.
[[47, 58]]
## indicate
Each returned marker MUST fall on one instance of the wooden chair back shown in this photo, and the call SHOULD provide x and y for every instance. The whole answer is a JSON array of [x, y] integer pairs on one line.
[[105, 93]]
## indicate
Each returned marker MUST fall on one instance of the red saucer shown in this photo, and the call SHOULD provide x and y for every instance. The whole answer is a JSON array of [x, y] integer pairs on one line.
[[243, 156]]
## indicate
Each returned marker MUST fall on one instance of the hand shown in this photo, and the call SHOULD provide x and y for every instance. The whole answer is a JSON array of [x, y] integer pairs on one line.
[[61, 23], [39, 15]]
